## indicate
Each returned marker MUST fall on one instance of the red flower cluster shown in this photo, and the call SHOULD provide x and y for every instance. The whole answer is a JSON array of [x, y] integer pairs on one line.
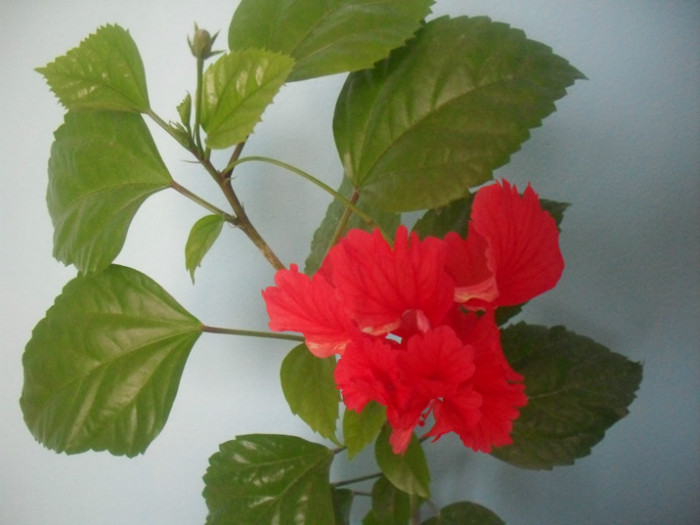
[[414, 323]]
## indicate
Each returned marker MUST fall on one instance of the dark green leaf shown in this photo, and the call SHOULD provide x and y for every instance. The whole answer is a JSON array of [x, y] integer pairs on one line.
[[342, 505], [453, 217], [236, 90], [576, 390], [202, 237], [310, 391], [555, 209], [104, 72], [465, 513], [390, 506], [387, 221], [359, 430], [259, 479], [408, 471], [103, 165], [332, 36], [439, 115], [102, 368]]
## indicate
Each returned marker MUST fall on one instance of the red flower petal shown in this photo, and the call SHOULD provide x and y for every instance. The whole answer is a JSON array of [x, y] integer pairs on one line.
[[377, 284], [301, 304], [523, 239], [470, 264]]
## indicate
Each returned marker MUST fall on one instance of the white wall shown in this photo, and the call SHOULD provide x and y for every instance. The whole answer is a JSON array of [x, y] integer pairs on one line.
[[623, 149]]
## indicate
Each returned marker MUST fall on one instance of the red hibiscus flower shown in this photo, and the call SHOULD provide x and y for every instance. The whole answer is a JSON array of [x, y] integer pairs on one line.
[[413, 321]]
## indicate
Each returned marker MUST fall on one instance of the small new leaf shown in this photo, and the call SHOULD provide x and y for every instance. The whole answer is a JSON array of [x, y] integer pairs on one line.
[[408, 471], [202, 237], [261, 478], [310, 391], [576, 390], [236, 90], [103, 165], [440, 114], [104, 72], [102, 369], [326, 37]]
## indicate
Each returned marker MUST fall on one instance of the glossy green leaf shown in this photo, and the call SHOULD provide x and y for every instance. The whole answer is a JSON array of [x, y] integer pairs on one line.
[[328, 36], [104, 72], [439, 115], [102, 368], [408, 471], [342, 505], [260, 478], [390, 506], [387, 221], [465, 513], [361, 429], [310, 391], [236, 90], [202, 237], [576, 390], [103, 165]]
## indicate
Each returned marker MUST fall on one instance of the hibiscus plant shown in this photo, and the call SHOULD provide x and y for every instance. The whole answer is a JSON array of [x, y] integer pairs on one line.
[[399, 335]]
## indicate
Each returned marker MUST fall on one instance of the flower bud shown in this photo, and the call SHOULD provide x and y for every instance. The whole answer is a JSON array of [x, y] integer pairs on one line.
[[201, 43]]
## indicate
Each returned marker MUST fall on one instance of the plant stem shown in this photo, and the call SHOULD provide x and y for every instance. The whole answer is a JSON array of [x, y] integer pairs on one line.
[[356, 480], [251, 333], [198, 106], [216, 211], [349, 205]]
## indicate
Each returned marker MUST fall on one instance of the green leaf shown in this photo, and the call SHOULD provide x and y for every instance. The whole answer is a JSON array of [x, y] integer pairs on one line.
[[260, 478], [104, 72], [387, 221], [465, 513], [236, 90], [342, 505], [184, 109], [453, 217], [439, 115], [576, 390], [555, 209], [103, 165], [359, 430], [102, 368], [202, 237], [310, 391], [408, 471], [390, 506], [332, 36]]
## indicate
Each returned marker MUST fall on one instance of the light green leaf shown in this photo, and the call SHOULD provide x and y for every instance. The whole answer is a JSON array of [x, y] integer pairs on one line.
[[326, 37], [465, 513], [576, 390], [408, 471], [262, 478], [102, 368], [387, 221], [103, 165], [439, 115], [390, 506], [202, 237], [184, 109], [104, 72], [360, 429], [310, 391], [236, 90]]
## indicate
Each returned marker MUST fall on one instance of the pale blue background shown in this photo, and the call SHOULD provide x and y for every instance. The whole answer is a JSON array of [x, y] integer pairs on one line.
[[623, 149]]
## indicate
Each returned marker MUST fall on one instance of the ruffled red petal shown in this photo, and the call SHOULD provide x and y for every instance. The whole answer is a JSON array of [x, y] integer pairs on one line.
[[523, 239], [377, 284], [310, 306]]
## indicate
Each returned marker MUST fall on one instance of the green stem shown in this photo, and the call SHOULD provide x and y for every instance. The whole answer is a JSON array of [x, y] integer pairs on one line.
[[251, 333], [356, 480], [349, 205], [205, 204], [198, 106]]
